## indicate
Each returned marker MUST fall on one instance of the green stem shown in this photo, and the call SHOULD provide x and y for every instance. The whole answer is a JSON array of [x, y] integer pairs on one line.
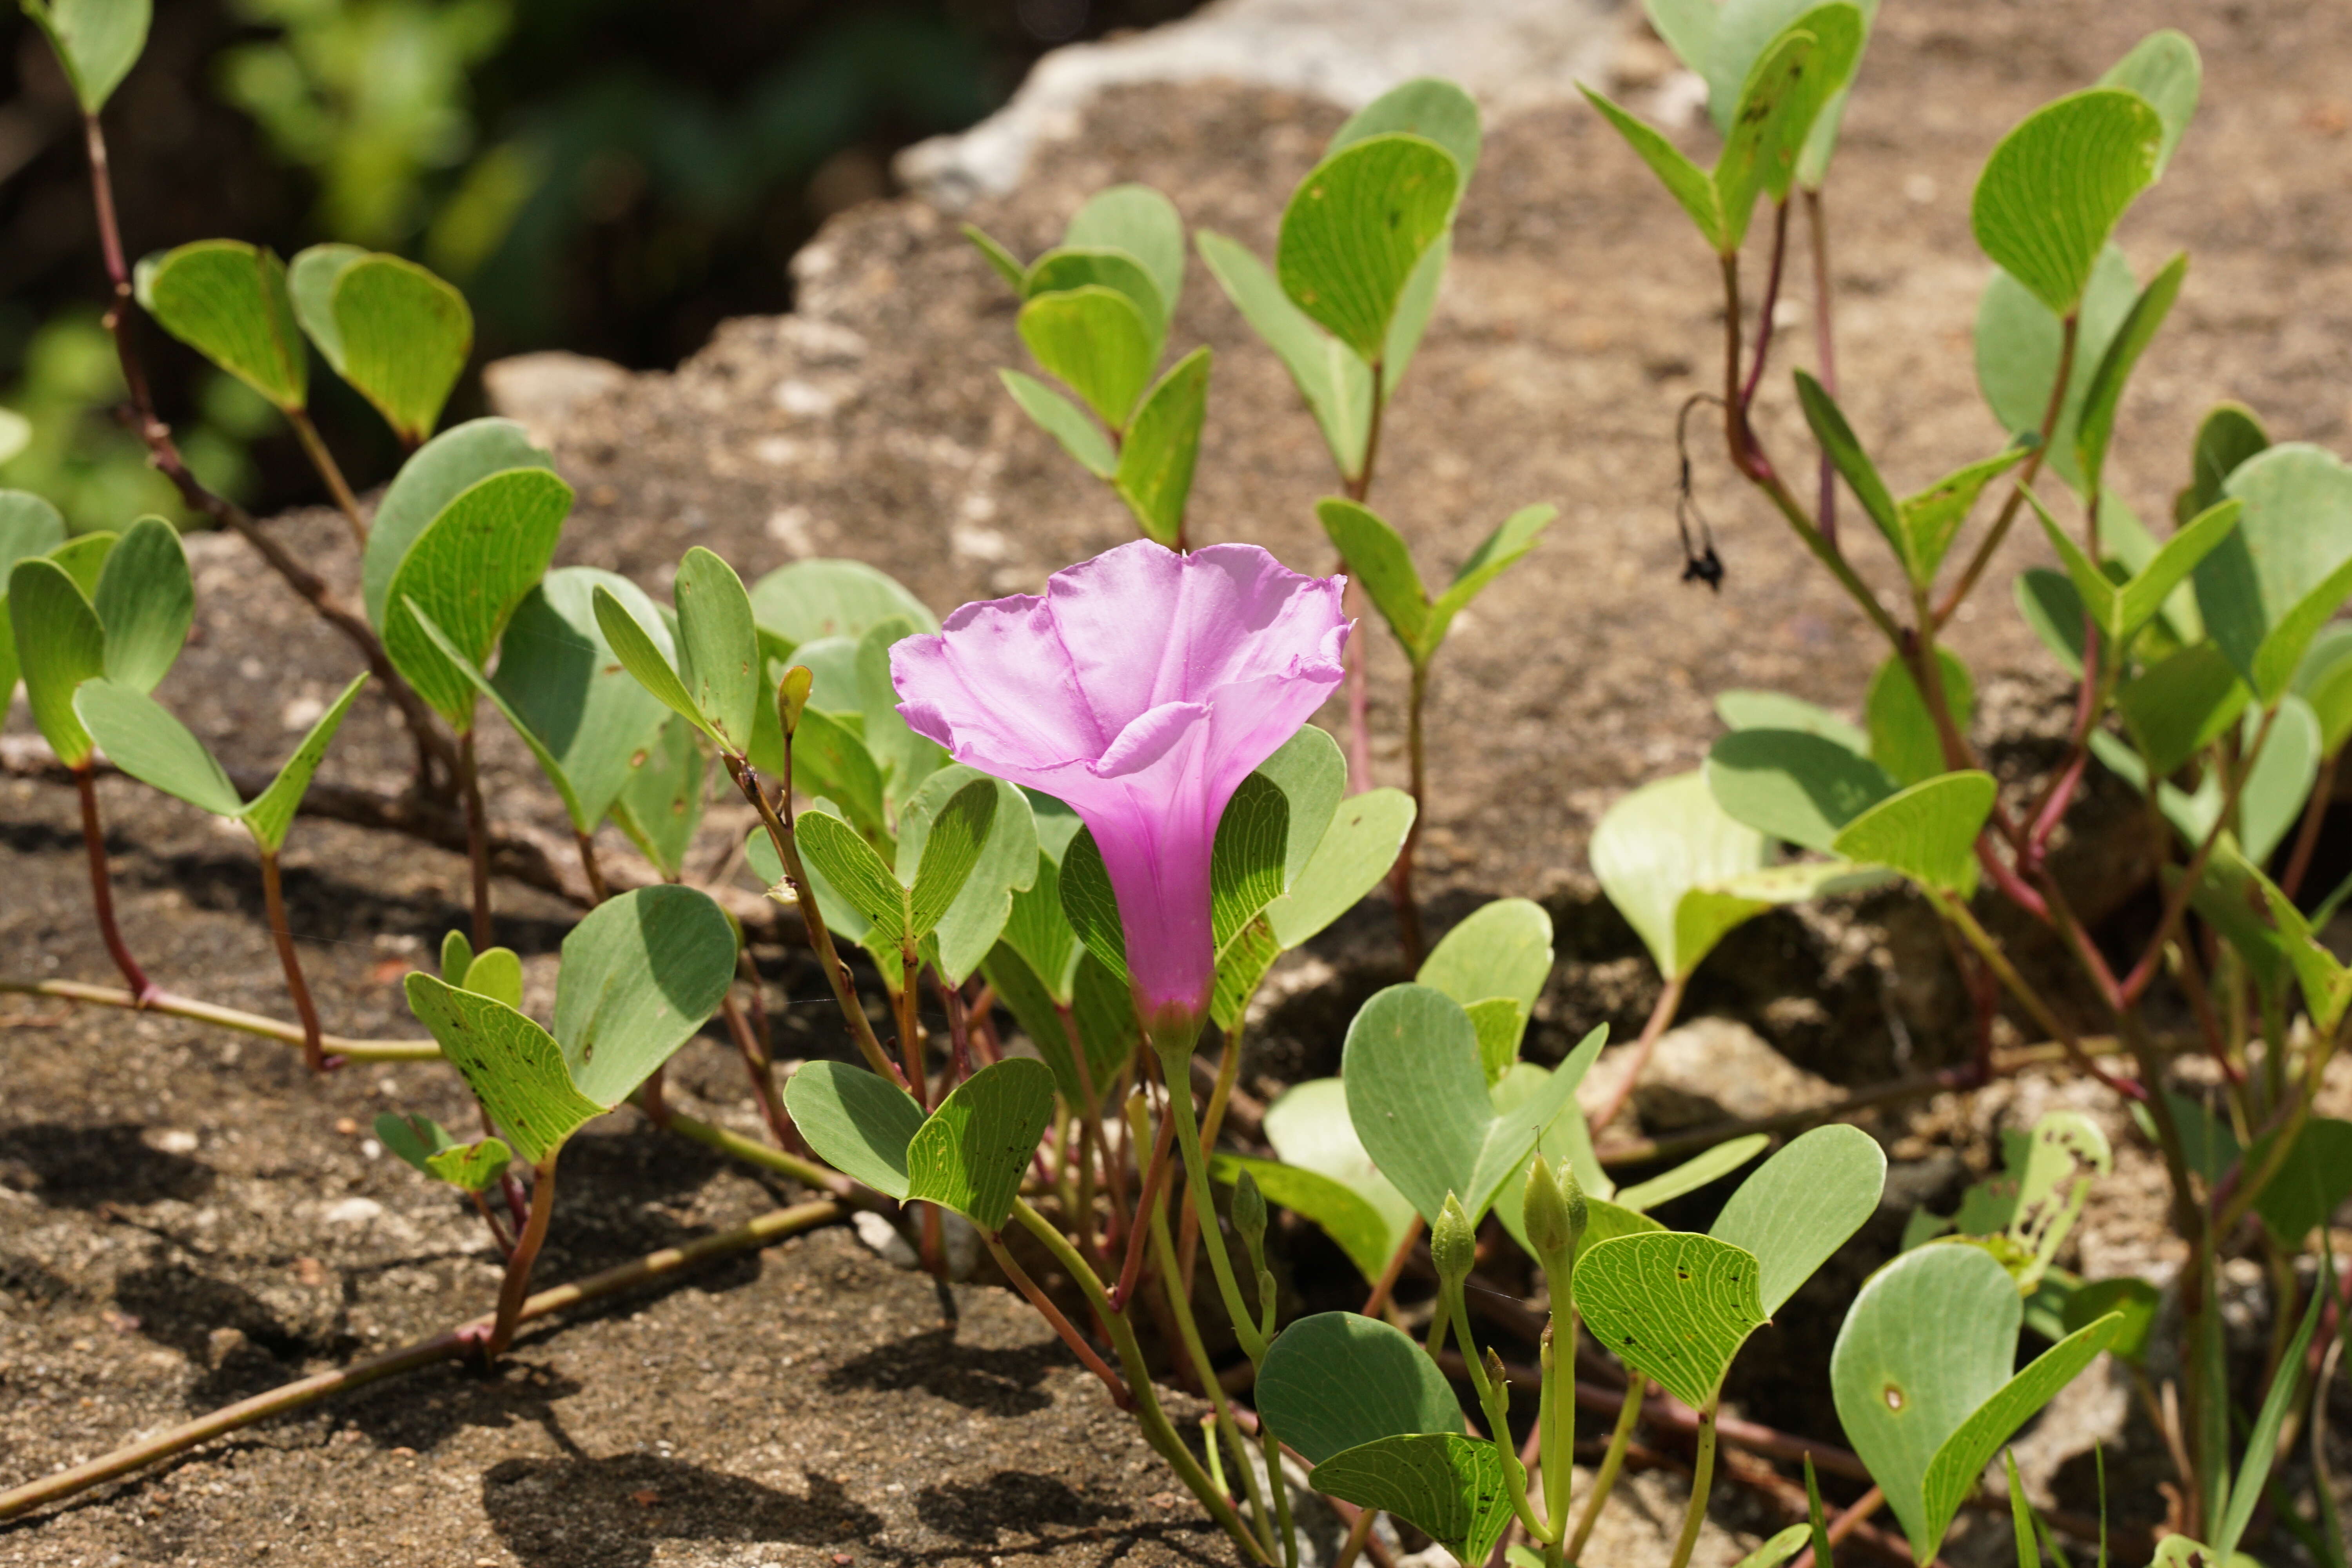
[[1702, 1482], [1147, 1413], [2070, 332], [1188, 1330], [1629, 1416], [1196, 1180], [315, 449], [1495, 1402], [178, 1007]]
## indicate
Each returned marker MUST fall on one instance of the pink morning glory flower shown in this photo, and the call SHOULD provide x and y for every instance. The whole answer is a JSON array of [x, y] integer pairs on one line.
[[1142, 688]]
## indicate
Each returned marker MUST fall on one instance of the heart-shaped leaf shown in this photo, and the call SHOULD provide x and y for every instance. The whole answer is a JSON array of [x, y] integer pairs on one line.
[[1096, 342], [146, 601], [1356, 228], [1007, 864], [397, 333], [1335, 384], [1065, 422], [227, 300], [1449, 1487], [1802, 1205], [469, 571], [1154, 471], [857, 1123], [1674, 1306], [640, 974], [1927, 832], [1418, 1098], [2053, 189], [1793, 785], [969, 1155], [1921, 1373], [1141, 222], [2163, 69], [436, 473], [1336, 1381], [1308, 1127], [831, 598], [1903, 737], [59, 644], [97, 41], [1656, 847]]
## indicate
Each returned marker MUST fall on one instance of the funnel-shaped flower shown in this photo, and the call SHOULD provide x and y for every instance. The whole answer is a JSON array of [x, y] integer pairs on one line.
[[1141, 689]]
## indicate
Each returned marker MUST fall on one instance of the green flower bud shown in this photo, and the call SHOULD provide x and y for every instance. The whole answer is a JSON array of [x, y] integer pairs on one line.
[[1549, 1231], [1452, 1245], [1249, 1214], [1572, 1192]]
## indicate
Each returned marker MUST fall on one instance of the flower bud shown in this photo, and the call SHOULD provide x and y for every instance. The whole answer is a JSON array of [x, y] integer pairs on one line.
[[1452, 1245], [1249, 1214], [1555, 1210], [793, 695]]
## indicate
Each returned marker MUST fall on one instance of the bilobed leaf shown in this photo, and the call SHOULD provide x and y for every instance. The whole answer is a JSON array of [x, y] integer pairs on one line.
[[59, 644], [1802, 1205], [1927, 832], [146, 601], [1845, 449], [497, 972], [1694, 1173], [970, 1154], [1793, 785], [1006, 864], [1777, 711], [1684, 181], [1932, 518], [1674, 1306], [2163, 69], [856, 1123], [1349, 859], [471, 1167], [1356, 228], [1904, 738], [1446, 1485], [436, 473], [1335, 1381], [227, 300], [640, 974], [468, 570], [2018, 346], [1308, 1127], [1063, 420], [1497, 553], [833, 598], [1806, 65], [143, 738], [1095, 341], [566, 692], [1656, 847], [1377, 558], [397, 333], [1063, 269], [660, 804], [2104, 396], [2053, 189], [1140, 221], [1154, 472], [1336, 385], [717, 650], [97, 41], [514, 1067]]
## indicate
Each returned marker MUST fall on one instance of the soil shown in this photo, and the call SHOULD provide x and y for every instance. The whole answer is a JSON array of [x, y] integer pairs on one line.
[[186, 1217]]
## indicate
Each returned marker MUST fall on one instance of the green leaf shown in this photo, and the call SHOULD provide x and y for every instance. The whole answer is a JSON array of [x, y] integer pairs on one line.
[[514, 1067], [830, 598], [1661, 845], [2266, 589], [1036, 928], [1739, 33], [2263, 1440], [269, 815], [1932, 518], [1501, 954], [1429, 107], [1927, 832], [1062, 270], [84, 558], [2048, 602], [1356, 228], [146, 601], [859, 1123], [2133, 1300], [661, 805], [1689, 28], [29, 526], [2053, 189], [1777, 711], [1792, 786], [566, 693], [718, 651], [850, 866], [1104, 1011], [1141, 222], [1444, 1484], [1335, 384], [227, 300], [1005, 864], [2096, 425], [1801, 1205], [1336, 1381], [2163, 69], [472, 1167], [1354, 853], [2324, 680], [1309, 1126], [436, 475], [1008, 266], [1417, 1096], [2179, 705], [1918, 1408], [1377, 558], [1673, 1305], [2315, 1177], [1903, 739], [1844, 450], [1694, 1173], [1044, 1019], [1247, 859], [397, 333], [1065, 421], [969, 1155], [1091, 905], [640, 974], [1684, 181], [633, 642], [1312, 773], [59, 644], [2271, 801], [413, 1140], [456, 956], [1154, 472], [2144, 595], [1807, 64], [906, 758], [2228, 437], [1779, 1548], [97, 41], [1351, 1221], [497, 972], [2018, 345], [469, 571], [143, 738], [1095, 341], [1495, 554], [941, 857], [829, 759]]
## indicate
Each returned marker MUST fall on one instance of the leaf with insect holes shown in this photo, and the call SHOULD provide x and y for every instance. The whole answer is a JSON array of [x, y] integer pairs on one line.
[[1356, 228], [1673, 1305], [434, 475], [59, 644], [1927, 832], [1154, 471], [97, 41], [2053, 190], [469, 571], [396, 332], [970, 1154], [1095, 341], [1336, 385], [1808, 63], [146, 601], [1449, 1487], [227, 300], [1922, 1376]]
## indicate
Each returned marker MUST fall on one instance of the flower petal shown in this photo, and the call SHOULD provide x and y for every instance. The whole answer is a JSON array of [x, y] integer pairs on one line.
[[997, 690]]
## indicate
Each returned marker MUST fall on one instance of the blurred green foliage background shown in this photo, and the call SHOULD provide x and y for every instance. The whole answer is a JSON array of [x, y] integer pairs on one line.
[[609, 176]]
